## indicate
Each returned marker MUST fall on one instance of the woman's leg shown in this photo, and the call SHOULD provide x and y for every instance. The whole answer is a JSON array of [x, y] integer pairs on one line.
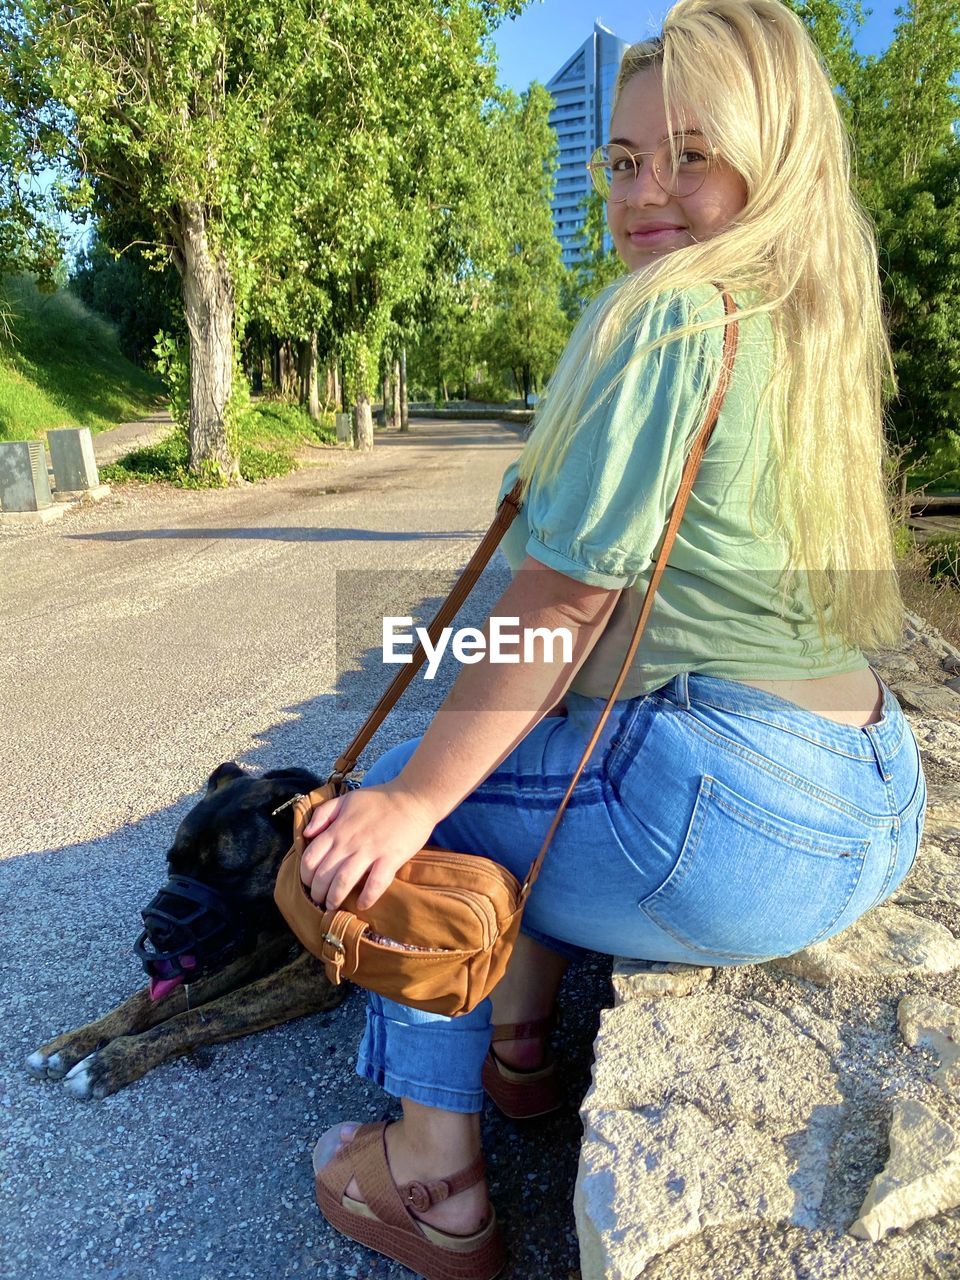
[[428, 1144], [527, 992]]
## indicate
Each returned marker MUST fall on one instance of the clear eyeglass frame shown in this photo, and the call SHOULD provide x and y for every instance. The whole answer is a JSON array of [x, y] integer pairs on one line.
[[685, 181]]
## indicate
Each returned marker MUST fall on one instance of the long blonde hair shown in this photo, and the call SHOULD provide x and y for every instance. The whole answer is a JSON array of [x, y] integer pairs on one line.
[[803, 251]]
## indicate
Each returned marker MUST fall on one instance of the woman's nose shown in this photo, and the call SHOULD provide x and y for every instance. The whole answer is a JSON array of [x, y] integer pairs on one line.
[[645, 189]]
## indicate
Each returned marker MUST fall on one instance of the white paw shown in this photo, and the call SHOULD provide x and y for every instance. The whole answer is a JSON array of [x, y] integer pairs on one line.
[[77, 1081], [37, 1064]]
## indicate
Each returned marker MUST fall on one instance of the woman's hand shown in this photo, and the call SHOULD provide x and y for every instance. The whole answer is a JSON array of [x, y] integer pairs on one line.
[[368, 833]]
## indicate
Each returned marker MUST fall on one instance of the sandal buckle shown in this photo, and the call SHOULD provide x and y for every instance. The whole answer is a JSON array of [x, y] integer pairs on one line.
[[417, 1196]]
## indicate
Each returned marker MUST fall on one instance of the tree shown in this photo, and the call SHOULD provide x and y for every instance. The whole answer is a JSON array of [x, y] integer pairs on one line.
[[909, 176], [29, 243], [901, 109], [597, 265], [530, 327], [139, 300]]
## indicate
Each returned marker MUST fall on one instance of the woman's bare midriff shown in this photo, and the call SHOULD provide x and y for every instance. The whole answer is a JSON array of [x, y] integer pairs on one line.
[[853, 698]]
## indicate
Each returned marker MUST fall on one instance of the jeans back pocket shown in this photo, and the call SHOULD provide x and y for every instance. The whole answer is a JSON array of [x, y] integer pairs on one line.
[[750, 884]]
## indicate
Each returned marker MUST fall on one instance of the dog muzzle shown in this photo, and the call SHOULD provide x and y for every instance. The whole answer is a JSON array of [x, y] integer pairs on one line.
[[190, 930]]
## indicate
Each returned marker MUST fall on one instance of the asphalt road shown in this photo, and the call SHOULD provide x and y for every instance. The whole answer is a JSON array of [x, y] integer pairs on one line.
[[145, 640]]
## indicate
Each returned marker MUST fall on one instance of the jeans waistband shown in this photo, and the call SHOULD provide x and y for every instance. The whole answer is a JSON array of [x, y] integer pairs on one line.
[[879, 741]]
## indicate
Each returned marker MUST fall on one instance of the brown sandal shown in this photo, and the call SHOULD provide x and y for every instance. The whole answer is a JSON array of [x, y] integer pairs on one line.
[[519, 1094], [383, 1221]]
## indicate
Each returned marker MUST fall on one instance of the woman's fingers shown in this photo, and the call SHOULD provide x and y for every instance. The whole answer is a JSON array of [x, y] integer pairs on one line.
[[335, 878], [379, 879], [322, 816]]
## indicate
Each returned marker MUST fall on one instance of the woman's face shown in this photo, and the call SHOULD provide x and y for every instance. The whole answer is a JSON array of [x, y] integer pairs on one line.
[[649, 222]]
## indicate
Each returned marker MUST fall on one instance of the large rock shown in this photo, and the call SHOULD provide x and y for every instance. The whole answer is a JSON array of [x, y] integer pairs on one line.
[[886, 941], [935, 877], [929, 700], [928, 1023], [688, 1125], [634, 979], [922, 1176]]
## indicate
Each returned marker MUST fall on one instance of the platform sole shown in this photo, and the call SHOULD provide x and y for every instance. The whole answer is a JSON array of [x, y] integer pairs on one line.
[[435, 1256]]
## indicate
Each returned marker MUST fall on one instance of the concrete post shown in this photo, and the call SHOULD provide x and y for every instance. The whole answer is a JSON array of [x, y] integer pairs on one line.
[[23, 476], [74, 466], [344, 428]]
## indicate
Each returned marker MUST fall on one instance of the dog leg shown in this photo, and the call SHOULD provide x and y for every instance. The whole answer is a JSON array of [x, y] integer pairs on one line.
[[53, 1060], [299, 989]]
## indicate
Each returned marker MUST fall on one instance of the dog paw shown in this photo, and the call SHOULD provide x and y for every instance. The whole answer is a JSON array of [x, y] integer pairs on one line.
[[54, 1061], [44, 1066], [86, 1080]]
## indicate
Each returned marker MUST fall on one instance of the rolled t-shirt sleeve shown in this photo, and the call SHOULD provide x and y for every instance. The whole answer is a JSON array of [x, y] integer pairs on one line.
[[600, 518]]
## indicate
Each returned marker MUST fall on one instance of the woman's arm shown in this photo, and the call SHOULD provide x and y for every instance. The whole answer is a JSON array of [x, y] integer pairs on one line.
[[491, 707]]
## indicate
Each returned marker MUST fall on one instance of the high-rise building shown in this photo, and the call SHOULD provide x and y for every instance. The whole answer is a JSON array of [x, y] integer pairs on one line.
[[582, 91]]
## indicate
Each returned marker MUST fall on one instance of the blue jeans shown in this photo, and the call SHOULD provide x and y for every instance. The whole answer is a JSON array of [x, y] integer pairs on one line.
[[716, 824]]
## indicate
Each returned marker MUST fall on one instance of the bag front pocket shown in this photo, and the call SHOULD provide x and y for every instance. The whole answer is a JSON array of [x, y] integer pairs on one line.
[[749, 884]]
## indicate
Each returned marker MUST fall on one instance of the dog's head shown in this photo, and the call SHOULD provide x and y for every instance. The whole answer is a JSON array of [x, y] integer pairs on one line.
[[223, 864]]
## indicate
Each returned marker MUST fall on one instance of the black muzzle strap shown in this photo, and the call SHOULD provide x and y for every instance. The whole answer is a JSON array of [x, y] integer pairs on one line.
[[187, 918]]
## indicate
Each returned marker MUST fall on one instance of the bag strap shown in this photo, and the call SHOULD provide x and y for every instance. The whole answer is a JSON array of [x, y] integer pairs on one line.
[[506, 513], [695, 457]]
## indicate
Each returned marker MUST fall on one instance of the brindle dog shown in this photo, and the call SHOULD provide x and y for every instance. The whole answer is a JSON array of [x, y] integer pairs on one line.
[[233, 841]]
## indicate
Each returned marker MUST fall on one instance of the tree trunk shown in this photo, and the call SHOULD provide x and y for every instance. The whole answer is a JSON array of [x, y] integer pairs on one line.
[[385, 409], [289, 368], [303, 371], [363, 423], [332, 396], [396, 413], [401, 390], [208, 304], [313, 401]]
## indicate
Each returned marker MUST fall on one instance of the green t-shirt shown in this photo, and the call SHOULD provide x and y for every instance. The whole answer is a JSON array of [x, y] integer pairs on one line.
[[718, 607]]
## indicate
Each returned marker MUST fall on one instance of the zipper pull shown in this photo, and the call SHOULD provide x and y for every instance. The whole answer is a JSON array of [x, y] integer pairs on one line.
[[286, 804]]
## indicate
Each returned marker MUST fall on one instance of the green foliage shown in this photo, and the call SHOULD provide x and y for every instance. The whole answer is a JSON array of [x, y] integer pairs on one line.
[[124, 290], [530, 328], [942, 556], [901, 109], [65, 368], [172, 364], [269, 435], [496, 307], [598, 265]]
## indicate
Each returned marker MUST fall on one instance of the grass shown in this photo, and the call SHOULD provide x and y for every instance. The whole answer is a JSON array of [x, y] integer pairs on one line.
[[60, 366], [929, 576], [270, 432]]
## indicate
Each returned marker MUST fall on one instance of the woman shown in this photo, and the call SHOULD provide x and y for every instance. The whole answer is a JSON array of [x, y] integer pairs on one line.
[[757, 787]]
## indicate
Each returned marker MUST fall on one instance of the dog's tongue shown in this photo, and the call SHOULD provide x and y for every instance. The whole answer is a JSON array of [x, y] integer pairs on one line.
[[160, 988]]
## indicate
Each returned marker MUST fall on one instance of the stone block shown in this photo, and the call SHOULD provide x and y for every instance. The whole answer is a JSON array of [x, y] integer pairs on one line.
[[921, 1178], [928, 1023], [688, 1127], [886, 942], [929, 700], [23, 476], [633, 979], [71, 454], [344, 423]]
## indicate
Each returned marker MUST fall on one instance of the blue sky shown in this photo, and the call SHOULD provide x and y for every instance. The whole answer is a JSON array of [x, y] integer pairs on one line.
[[535, 45]]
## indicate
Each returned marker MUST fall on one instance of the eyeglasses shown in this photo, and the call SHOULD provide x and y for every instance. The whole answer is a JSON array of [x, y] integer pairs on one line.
[[679, 172]]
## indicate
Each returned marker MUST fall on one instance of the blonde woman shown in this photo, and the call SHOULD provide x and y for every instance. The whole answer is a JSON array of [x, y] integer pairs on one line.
[[757, 787]]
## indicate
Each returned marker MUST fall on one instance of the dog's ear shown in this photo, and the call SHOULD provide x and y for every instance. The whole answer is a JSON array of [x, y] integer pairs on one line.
[[223, 774]]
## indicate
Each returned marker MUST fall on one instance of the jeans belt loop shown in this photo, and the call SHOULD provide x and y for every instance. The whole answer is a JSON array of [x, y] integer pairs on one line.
[[683, 691]]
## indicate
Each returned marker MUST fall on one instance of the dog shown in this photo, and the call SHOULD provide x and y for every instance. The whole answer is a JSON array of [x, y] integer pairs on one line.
[[223, 864]]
